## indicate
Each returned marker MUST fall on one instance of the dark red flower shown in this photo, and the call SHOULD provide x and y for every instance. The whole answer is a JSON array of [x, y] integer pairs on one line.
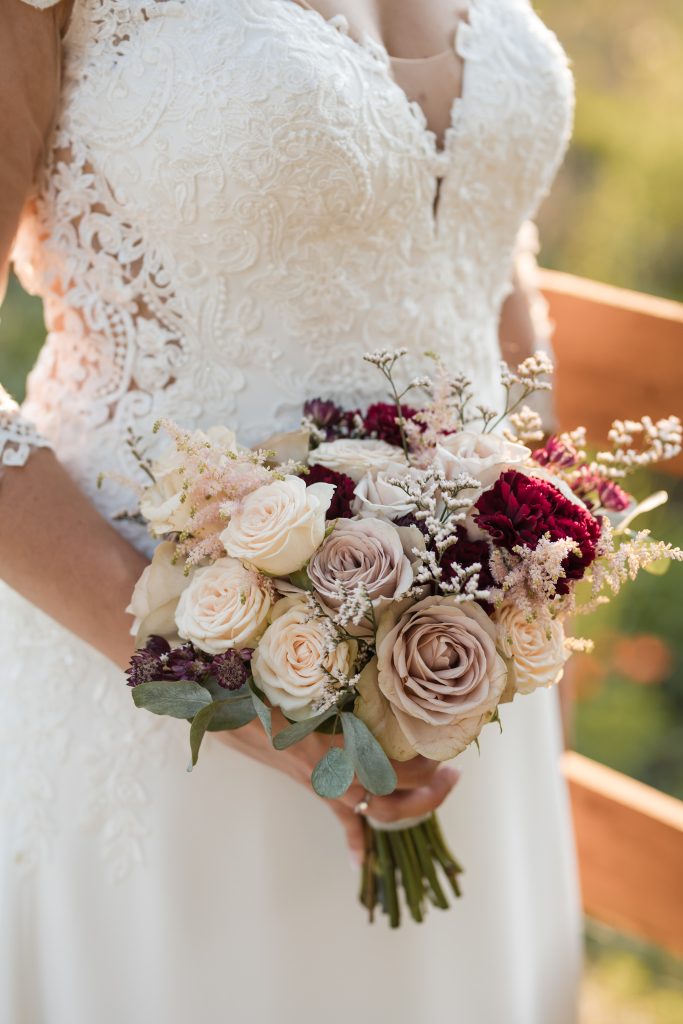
[[323, 412], [229, 670], [520, 509], [466, 552], [612, 496], [380, 421], [556, 453], [340, 507]]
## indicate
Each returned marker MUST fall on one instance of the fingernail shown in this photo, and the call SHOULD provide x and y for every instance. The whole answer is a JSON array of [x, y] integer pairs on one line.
[[355, 859]]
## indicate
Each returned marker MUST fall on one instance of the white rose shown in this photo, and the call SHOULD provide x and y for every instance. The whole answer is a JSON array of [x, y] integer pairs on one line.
[[163, 504], [355, 457], [482, 456], [376, 497], [535, 648], [224, 606], [279, 526], [291, 663], [156, 595]]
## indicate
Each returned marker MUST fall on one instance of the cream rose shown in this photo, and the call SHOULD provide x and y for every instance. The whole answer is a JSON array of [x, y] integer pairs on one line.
[[361, 552], [376, 496], [291, 663], [482, 456], [156, 595], [163, 503], [279, 526], [224, 606], [355, 457], [436, 681], [535, 648]]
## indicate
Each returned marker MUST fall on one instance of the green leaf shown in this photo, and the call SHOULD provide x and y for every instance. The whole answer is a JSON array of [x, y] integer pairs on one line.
[[373, 768], [200, 723], [301, 579], [179, 700], [232, 713], [262, 709], [299, 730], [333, 773]]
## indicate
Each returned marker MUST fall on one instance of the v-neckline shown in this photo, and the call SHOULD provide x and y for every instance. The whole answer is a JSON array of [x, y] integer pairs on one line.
[[440, 155]]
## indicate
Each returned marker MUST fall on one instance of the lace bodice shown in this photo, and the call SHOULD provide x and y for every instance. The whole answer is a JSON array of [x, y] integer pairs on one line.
[[239, 201]]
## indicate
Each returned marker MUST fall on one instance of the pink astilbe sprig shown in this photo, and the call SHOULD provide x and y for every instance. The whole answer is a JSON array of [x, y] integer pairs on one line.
[[215, 477], [530, 576]]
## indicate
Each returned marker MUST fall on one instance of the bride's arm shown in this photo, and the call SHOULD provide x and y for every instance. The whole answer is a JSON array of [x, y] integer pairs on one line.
[[55, 548]]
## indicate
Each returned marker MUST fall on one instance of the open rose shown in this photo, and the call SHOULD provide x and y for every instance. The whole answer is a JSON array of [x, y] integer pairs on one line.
[[225, 606], [436, 681], [482, 456], [355, 457], [535, 648], [156, 595], [361, 552], [292, 663], [376, 496], [279, 526], [163, 503]]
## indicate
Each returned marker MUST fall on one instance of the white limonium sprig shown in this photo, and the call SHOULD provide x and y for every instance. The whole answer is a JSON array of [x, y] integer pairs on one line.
[[525, 427], [658, 440], [355, 608], [385, 360], [532, 375]]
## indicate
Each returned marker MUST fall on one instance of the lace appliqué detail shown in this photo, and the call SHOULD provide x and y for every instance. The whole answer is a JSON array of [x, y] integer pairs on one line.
[[17, 436]]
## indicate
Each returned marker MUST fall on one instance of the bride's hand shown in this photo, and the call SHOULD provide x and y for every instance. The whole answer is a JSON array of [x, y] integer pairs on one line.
[[423, 785]]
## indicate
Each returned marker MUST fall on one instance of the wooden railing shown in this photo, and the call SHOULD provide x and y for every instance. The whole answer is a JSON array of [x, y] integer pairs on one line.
[[620, 353]]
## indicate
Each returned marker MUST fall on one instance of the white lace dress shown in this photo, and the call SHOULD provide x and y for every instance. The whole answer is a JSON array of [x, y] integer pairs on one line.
[[239, 201]]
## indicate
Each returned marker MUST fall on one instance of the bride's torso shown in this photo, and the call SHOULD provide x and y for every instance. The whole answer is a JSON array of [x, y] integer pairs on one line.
[[241, 200]]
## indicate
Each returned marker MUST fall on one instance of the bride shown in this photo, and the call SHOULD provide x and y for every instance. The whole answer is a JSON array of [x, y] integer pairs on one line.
[[223, 205]]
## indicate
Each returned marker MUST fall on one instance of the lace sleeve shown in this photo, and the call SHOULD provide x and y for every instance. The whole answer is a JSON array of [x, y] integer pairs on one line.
[[29, 87]]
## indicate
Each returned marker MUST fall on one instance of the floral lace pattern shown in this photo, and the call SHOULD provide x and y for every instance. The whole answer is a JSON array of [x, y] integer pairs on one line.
[[239, 201]]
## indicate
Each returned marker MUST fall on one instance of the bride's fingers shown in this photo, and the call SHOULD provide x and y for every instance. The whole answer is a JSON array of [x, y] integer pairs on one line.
[[353, 827], [417, 772], [410, 803]]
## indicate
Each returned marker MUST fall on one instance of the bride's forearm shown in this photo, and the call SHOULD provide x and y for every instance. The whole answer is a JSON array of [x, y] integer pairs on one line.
[[63, 556]]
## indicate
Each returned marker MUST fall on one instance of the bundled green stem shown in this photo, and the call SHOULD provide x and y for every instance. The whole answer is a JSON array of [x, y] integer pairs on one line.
[[403, 867]]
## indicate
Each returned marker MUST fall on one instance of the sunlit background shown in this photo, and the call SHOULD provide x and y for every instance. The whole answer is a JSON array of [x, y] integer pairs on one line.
[[615, 215]]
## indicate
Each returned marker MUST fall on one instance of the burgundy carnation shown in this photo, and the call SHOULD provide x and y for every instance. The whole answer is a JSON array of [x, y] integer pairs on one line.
[[380, 422], [520, 509], [466, 552], [340, 506]]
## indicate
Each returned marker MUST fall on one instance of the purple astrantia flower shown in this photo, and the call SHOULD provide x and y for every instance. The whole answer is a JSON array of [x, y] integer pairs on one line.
[[149, 662], [323, 413], [229, 670]]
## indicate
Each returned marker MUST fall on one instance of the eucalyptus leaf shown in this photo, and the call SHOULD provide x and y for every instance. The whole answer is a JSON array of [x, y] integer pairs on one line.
[[232, 712], [262, 710], [177, 699], [299, 730], [373, 768], [333, 773], [200, 724], [658, 568]]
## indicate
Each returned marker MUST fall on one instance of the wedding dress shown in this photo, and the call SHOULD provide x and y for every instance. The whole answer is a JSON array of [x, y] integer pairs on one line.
[[238, 202]]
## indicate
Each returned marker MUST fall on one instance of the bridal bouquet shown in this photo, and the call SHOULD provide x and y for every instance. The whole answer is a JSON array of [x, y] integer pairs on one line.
[[390, 577]]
